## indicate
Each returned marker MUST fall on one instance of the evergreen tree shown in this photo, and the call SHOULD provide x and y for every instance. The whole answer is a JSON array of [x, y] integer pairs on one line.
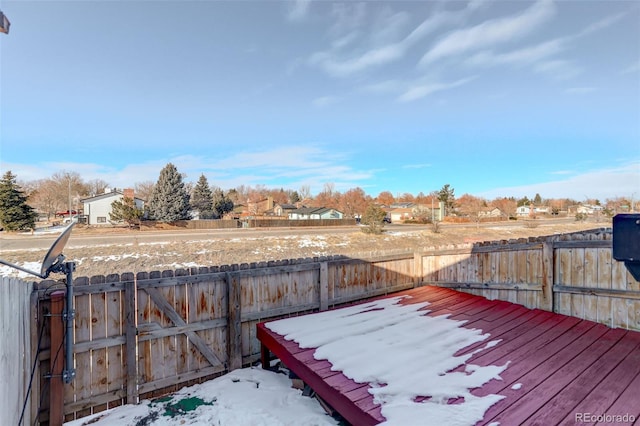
[[374, 219], [201, 198], [125, 210], [294, 197], [446, 195], [537, 200], [15, 213], [222, 204], [169, 199], [525, 201]]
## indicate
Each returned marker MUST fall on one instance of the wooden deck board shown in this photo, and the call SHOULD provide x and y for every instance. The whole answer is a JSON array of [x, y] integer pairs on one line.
[[523, 409], [608, 390], [564, 365]]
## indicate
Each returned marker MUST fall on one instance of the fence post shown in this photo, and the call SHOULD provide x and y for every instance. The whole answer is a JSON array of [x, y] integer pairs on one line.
[[547, 277], [131, 314], [234, 327], [56, 386], [37, 321], [417, 269], [324, 286]]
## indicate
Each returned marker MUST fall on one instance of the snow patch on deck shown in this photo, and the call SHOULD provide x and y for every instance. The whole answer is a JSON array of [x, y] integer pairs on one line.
[[403, 354]]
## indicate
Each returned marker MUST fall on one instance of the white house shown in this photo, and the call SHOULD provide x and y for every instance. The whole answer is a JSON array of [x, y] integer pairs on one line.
[[492, 212], [315, 213], [527, 210], [97, 208], [589, 209]]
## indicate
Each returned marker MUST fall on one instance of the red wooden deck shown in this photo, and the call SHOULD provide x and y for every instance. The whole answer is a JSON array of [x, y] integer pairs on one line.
[[566, 366]]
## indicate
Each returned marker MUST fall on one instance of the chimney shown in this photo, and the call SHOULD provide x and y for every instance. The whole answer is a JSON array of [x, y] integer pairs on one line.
[[128, 192]]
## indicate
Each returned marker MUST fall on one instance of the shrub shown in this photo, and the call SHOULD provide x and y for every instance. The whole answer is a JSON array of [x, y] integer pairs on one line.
[[374, 219]]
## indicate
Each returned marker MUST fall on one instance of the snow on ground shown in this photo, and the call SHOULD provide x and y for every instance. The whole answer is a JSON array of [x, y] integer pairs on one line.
[[7, 271], [251, 396], [403, 354]]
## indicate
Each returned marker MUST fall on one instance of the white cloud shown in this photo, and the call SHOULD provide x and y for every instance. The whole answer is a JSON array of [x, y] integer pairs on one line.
[[541, 55], [416, 166], [421, 90], [385, 45], [298, 10], [325, 101], [524, 56], [384, 87], [601, 184], [341, 68], [347, 18], [286, 166], [601, 24], [491, 33]]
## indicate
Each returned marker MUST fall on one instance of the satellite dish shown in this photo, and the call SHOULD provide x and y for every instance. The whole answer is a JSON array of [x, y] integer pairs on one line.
[[53, 258]]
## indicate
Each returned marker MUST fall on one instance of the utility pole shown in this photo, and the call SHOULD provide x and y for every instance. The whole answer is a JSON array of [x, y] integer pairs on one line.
[[69, 208]]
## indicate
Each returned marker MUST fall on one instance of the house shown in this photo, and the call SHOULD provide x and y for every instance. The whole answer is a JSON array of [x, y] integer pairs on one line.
[[532, 210], [589, 209], [400, 214], [283, 209], [315, 213], [98, 208], [403, 205], [494, 212], [260, 207]]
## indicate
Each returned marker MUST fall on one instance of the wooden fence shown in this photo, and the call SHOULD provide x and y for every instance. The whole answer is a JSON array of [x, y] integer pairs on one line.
[[152, 225], [15, 350], [262, 222], [296, 223], [140, 336], [571, 274], [149, 334]]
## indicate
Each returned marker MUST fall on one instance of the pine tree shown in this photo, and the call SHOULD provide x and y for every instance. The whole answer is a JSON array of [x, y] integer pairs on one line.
[[221, 203], [169, 199], [446, 195], [125, 210], [201, 198], [374, 219], [15, 213]]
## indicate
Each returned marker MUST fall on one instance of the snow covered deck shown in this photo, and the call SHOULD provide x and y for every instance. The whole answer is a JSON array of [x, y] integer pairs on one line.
[[533, 366]]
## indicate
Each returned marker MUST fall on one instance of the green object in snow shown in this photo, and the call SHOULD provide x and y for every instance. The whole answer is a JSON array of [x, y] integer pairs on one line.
[[183, 406]]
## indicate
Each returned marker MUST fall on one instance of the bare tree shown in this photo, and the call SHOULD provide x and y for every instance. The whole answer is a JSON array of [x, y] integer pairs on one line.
[[406, 198], [304, 192], [329, 197], [508, 206], [354, 202], [96, 186], [472, 207], [69, 189], [44, 197], [143, 190], [386, 198]]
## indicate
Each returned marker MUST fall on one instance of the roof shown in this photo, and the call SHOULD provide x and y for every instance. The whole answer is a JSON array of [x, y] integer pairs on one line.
[[287, 206], [106, 195], [312, 210], [404, 205], [559, 367]]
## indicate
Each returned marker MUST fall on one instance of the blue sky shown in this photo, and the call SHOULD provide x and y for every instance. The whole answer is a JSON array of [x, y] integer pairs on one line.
[[504, 98]]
